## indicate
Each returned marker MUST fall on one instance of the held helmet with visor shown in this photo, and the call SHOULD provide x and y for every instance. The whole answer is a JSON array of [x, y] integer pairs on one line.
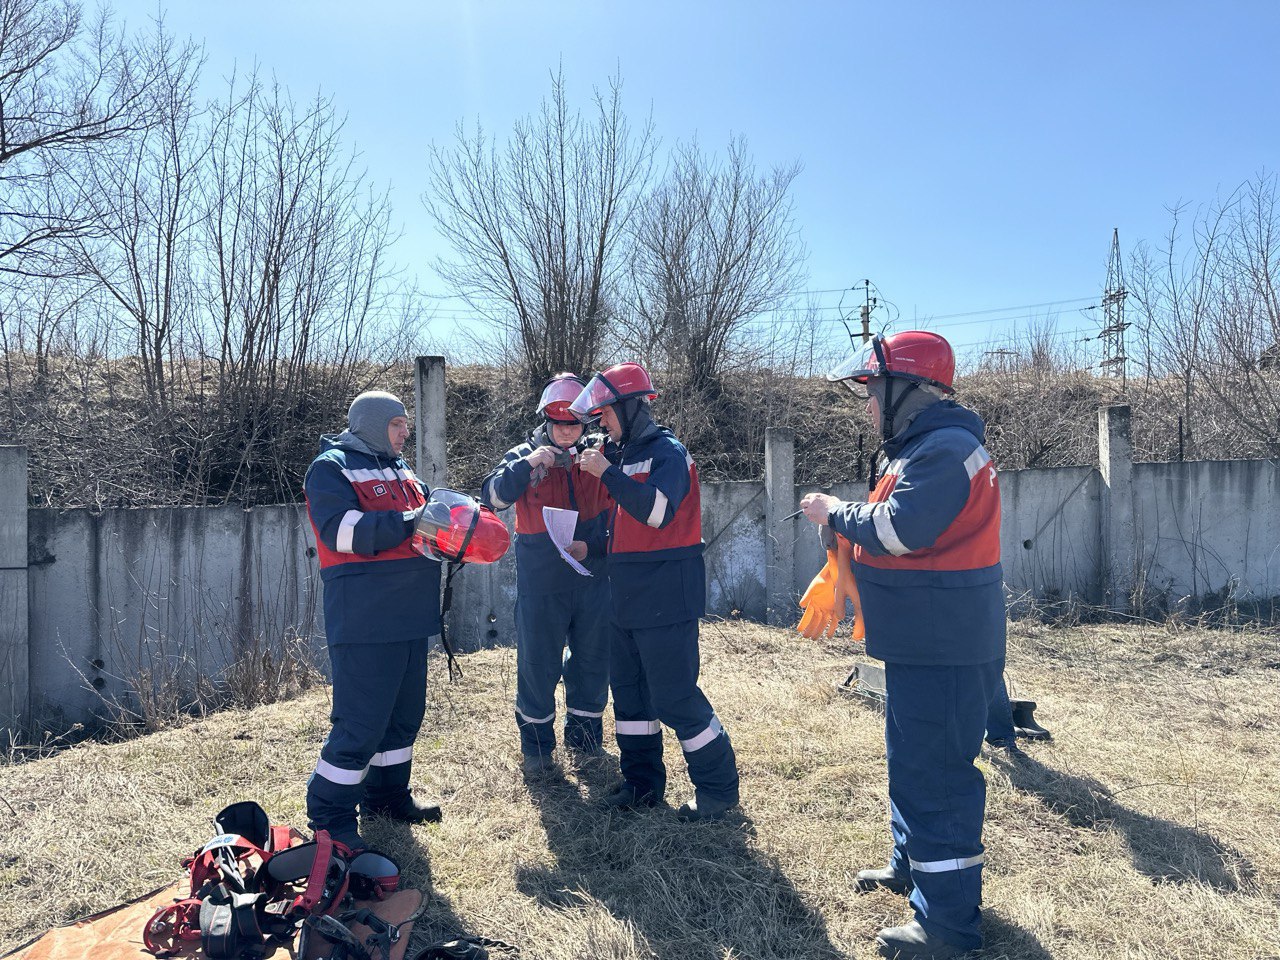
[[454, 526]]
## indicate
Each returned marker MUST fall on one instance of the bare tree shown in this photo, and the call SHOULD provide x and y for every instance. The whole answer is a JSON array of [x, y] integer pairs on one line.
[[141, 194], [1242, 325], [715, 247], [65, 88], [537, 224]]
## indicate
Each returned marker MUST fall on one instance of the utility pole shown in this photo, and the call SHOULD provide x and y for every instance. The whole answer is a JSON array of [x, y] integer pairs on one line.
[[864, 312], [869, 305], [1113, 322]]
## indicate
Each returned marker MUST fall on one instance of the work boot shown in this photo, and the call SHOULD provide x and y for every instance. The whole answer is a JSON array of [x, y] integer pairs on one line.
[[867, 880], [1009, 745], [405, 809], [628, 797], [912, 942], [1024, 720], [703, 811], [538, 764]]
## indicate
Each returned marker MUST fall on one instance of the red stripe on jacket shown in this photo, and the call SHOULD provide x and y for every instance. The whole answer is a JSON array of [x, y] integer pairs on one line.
[[970, 542], [553, 491], [685, 529], [377, 494]]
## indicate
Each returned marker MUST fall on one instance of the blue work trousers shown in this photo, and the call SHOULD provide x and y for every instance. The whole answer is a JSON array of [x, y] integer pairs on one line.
[[565, 633], [654, 678], [379, 699], [1000, 717], [935, 717]]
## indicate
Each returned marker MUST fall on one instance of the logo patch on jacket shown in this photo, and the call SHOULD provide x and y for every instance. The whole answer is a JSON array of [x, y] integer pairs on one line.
[[379, 490]]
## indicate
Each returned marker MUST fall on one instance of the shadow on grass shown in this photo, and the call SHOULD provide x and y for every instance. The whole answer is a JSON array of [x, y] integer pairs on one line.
[[1165, 851], [691, 890], [1003, 940]]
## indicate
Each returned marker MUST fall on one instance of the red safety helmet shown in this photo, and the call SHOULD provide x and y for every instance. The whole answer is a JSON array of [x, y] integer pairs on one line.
[[911, 355], [619, 382], [559, 392], [454, 526]]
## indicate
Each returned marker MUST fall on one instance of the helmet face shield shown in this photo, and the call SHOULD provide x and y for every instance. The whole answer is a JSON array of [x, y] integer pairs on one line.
[[557, 396], [855, 371], [594, 397]]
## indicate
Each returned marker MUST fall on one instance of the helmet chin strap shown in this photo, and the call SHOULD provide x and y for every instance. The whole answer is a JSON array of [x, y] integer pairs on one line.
[[888, 413], [631, 411], [892, 406]]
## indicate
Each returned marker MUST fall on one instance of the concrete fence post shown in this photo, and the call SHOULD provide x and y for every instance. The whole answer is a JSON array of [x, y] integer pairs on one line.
[[15, 652], [780, 536], [429, 421], [1117, 532]]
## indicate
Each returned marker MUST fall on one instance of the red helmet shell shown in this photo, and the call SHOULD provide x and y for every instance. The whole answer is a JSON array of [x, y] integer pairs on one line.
[[912, 355], [619, 382], [559, 392], [489, 540], [455, 526]]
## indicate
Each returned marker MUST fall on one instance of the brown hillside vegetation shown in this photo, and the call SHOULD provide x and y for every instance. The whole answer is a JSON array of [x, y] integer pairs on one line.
[[1147, 829], [94, 441]]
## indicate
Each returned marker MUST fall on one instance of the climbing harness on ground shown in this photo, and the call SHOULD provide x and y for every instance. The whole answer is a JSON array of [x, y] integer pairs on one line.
[[256, 884]]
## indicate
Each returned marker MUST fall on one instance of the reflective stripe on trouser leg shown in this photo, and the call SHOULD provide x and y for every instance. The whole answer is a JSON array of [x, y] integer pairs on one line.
[[586, 667], [670, 657], [364, 678], [636, 726], [934, 721], [542, 623], [389, 768]]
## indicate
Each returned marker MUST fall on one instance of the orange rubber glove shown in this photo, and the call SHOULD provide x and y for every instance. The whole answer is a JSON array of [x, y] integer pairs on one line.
[[847, 588], [819, 602]]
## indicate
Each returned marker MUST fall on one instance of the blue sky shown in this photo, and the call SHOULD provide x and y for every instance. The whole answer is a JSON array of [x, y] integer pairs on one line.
[[963, 156]]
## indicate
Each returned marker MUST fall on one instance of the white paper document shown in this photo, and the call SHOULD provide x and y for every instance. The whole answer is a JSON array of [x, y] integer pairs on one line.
[[560, 526]]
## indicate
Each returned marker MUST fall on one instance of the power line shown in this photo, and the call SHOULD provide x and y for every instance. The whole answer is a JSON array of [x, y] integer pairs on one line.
[[1053, 334], [929, 321]]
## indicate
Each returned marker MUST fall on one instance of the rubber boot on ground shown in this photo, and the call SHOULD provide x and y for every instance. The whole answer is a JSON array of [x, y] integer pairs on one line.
[[883, 878], [912, 942]]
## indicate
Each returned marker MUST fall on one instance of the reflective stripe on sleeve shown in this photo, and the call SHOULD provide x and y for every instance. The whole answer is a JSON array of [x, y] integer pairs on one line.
[[644, 466], [637, 728], [976, 461], [347, 531], [497, 501], [659, 511], [385, 474], [391, 758], [946, 866], [348, 778], [714, 729], [884, 530]]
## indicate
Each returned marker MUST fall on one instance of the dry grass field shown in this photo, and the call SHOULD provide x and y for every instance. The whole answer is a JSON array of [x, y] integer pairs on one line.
[[1149, 828]]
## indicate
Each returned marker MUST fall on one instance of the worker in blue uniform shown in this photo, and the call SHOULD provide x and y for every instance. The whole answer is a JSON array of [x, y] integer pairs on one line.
[[381, 608], [657, 580], [926, 555], [562, 616]]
